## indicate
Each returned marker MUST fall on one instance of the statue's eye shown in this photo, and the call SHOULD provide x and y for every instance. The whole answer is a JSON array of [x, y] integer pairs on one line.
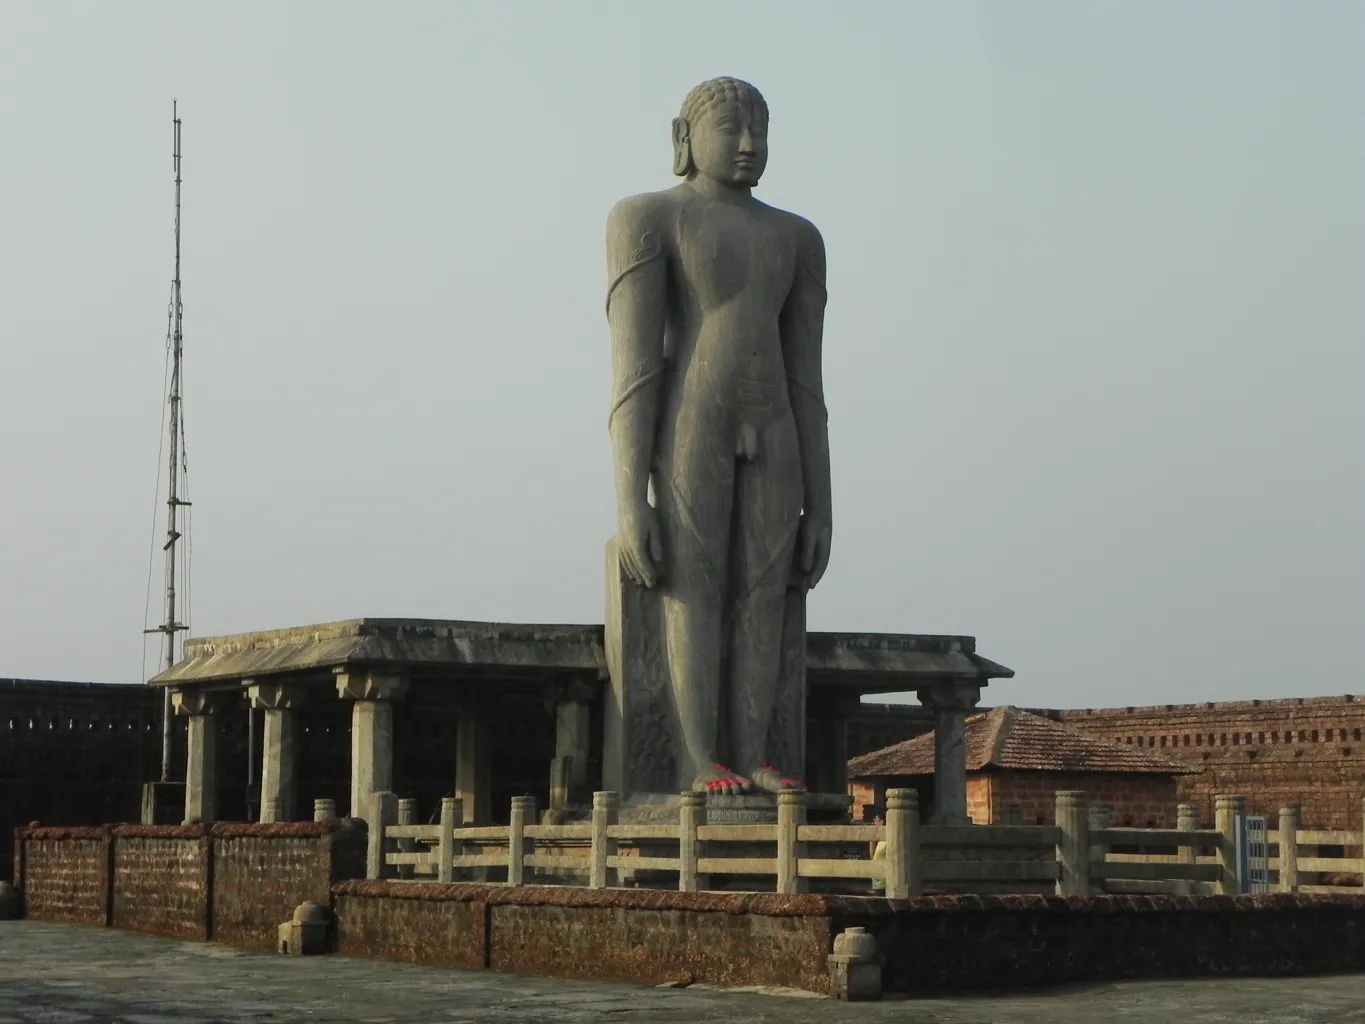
[[725, 124]]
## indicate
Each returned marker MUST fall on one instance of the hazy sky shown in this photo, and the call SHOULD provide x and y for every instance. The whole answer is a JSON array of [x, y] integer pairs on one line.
[[1094, 353]]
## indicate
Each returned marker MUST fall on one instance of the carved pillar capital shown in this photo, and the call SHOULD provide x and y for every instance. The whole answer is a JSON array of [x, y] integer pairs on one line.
[[958, 696], [199, 702], [273, 696], [365, 685]]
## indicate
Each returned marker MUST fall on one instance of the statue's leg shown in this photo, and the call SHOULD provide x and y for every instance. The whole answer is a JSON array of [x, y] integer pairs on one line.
[[768, 494], [694, 487]]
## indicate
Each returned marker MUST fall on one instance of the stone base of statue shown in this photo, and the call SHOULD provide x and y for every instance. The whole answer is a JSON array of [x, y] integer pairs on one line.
[[640, 732], [751, 809]]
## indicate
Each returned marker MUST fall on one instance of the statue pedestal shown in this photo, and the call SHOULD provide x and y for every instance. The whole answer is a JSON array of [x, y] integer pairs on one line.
[[641, 741]]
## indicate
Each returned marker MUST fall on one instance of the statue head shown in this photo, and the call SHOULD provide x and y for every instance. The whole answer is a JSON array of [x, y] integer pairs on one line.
[[722, 133]]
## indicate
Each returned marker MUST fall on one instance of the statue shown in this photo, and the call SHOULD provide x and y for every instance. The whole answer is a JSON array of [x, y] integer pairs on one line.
[[716, 307]]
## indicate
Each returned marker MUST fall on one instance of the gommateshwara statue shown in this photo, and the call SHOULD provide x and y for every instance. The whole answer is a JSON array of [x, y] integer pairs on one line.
[[716, 307]]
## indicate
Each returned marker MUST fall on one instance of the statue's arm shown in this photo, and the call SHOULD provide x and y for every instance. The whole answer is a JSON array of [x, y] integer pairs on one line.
[[636, 312], [802, 327]]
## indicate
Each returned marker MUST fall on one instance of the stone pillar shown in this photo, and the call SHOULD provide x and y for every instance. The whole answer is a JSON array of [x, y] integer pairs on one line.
[[201, 751], [573, 740], [279, 746], [950, 701], [473, 765], [827, 743], [371, 733]]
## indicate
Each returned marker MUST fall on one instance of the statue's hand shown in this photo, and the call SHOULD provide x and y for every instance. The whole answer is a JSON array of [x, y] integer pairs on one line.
[[641, 545], [812, 546]]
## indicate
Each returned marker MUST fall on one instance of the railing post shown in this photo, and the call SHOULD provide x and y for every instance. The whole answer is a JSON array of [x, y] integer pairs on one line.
[[407, 815], [382, 812], [903, 874], [1362, 841], [523, 810], [1098, 820], [1073, 849], [604, 806], [324, 809], [691, 813], [1187, 820], [445, 845], [1289, 849], [1227, 817], [791, 815]]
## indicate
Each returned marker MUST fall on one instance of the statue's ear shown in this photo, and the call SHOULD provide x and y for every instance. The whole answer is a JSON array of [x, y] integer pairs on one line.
[[682, 148]]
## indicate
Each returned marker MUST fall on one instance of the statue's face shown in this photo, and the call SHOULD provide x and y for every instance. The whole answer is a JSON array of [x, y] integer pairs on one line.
[[730, 144]]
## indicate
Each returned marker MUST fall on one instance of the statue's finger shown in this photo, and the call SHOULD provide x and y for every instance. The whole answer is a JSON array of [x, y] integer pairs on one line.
[[821, 562], [656, 547], [632, 570]]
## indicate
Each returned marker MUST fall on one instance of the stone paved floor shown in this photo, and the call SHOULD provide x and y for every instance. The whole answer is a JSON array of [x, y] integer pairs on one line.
[[61, 974]]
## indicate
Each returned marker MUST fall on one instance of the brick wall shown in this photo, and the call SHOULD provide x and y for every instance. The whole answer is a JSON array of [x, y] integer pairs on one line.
[[262, 872], [937, 943], [65, 874], [1306, 751], [646, 936], [1140, 801], [231, 882], [971, 943], [162, 880]]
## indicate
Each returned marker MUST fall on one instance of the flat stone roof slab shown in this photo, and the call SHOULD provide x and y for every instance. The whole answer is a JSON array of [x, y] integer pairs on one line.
[[869, 662]]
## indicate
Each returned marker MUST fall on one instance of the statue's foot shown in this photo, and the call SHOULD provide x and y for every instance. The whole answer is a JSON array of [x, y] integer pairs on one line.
[[721, 781], [770, 780]]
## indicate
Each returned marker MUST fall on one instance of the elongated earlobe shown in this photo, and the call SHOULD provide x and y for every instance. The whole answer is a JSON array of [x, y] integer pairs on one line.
[[682, 148]]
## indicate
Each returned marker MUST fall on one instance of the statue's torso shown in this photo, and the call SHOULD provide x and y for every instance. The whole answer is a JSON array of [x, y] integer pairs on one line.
[[731, 269]]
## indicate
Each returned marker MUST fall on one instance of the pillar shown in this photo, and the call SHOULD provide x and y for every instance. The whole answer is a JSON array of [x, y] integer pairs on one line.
[[827, 745], [473, 765], [950, 701], [201, 751], [371, 733], [573, 740], [279, 747]]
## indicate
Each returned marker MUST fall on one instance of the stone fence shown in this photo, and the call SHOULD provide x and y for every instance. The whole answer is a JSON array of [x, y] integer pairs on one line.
[[900, 859]]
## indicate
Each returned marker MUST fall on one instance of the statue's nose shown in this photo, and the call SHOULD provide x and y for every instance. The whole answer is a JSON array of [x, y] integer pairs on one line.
[[746, 141]]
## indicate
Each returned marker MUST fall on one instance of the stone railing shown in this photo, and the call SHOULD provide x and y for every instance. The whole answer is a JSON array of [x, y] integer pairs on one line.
[[899, 859]]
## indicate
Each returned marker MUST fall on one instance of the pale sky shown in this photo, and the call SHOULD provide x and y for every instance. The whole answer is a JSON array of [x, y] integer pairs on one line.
[[1094, 351]]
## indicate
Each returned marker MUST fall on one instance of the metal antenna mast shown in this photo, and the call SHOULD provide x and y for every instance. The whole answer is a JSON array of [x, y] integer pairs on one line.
[[171, 626]]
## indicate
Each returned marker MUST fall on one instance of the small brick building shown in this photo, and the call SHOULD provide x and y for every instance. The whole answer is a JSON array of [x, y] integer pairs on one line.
[[1016, 762]]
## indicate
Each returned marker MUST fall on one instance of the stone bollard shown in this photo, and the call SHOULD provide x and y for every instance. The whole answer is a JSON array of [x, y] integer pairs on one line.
[[855, 967], [305, 934], [11, 902], [324, 809]]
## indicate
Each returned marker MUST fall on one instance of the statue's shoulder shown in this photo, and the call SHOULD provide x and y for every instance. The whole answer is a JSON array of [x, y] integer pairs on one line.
[[804, 233], [648, 211]]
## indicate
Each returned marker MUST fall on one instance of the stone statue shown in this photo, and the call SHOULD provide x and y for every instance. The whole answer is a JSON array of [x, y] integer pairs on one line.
[[716, 307]]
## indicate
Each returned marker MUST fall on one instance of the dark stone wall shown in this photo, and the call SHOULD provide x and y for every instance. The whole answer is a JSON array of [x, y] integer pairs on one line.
[[75, 753]]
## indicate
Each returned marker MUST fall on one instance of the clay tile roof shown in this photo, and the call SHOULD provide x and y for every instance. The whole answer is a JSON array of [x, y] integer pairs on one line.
[[1006, 737]]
